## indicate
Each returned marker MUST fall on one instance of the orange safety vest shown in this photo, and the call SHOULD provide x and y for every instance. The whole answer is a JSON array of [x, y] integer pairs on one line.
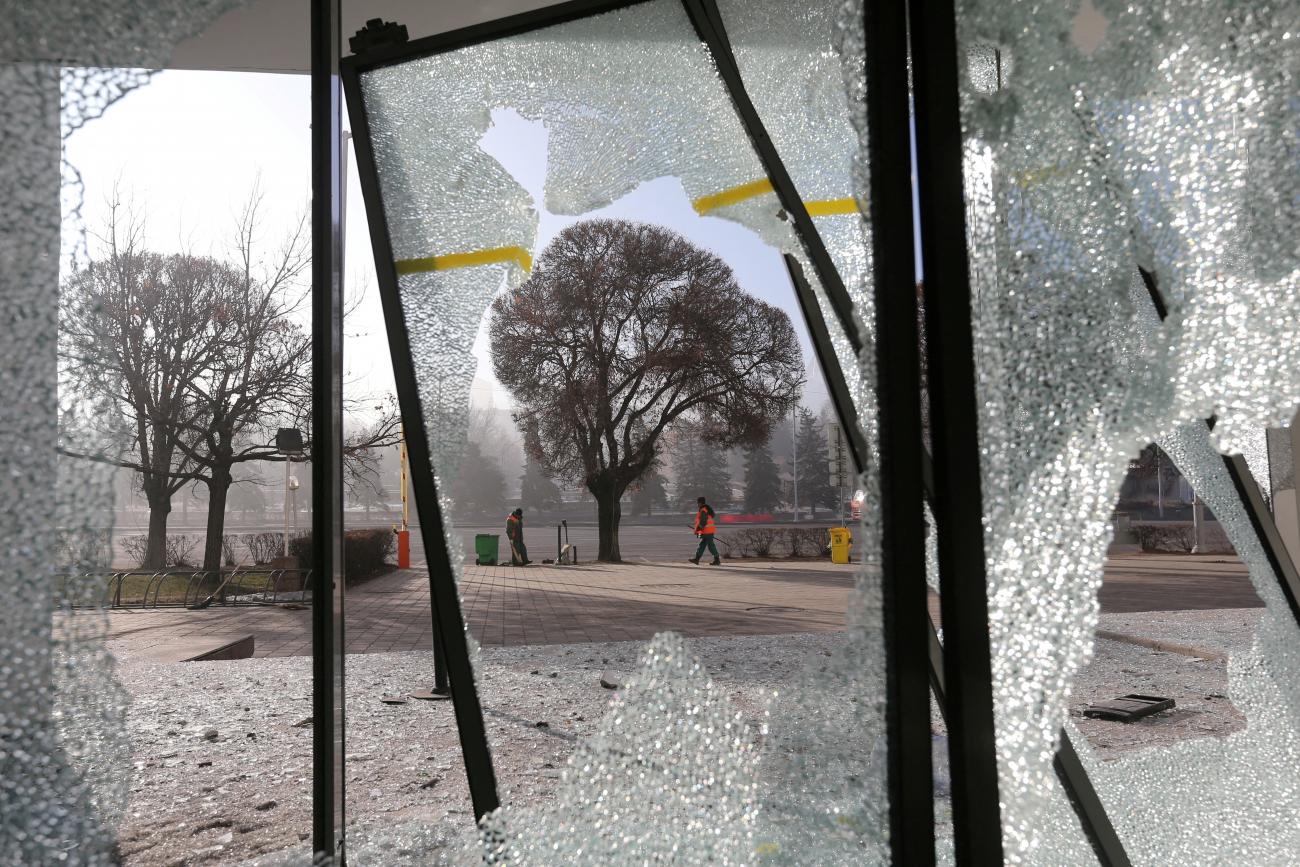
[[704, 522], [512, 527]]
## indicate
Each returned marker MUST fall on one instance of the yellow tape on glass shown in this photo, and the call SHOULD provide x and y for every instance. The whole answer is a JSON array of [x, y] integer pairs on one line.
[[517, 255], [827, 207], [731, 196], [736, 194], [702, 205]]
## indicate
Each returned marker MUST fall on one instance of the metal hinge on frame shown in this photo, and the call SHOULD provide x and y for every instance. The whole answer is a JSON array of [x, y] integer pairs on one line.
[[377, 33]]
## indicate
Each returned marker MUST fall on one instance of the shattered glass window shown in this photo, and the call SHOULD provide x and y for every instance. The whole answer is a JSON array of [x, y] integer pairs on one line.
[[1281, 461], [65, 769], [801, 65], [1102, 139]]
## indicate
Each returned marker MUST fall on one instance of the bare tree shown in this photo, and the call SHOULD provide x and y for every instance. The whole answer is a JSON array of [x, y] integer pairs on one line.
[[622, 330], [133, 329], [262, 379], [363, 444], [205, 358]]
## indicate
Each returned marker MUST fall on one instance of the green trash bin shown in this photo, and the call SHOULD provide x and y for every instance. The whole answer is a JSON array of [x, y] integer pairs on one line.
[[485, 549]]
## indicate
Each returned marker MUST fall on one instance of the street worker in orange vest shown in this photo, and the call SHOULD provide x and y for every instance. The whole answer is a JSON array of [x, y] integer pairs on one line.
[[515, 533], [704, 528]]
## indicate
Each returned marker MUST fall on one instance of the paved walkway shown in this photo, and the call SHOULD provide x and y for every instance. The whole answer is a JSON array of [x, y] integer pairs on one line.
[[600, 602], [533, 605]]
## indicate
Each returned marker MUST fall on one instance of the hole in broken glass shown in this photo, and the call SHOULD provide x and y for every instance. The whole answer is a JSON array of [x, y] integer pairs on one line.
[[530, 474], [1176, 603], [1088, 29], [521, 408]]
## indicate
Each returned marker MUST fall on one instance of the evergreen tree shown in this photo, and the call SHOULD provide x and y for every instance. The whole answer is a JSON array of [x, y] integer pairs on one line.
[[814, 465], [781, 442], [370, 493], [649, 492], [536, 490], [700, 469], [762, 481], [685, 460], [480, 486]]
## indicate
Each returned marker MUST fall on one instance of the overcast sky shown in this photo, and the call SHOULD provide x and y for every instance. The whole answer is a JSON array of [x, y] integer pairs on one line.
[[188, 147]]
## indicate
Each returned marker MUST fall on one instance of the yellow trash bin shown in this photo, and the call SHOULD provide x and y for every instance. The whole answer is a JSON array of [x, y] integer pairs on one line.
[[841, 541]]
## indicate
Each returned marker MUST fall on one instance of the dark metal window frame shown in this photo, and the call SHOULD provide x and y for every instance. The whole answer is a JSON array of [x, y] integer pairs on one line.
[[957, 501], [328, 759]]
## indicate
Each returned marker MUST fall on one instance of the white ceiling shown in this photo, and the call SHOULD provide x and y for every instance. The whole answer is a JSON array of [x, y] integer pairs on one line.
[[274, 35]]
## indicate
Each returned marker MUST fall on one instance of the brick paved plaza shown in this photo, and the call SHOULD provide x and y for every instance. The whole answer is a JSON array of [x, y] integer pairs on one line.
[[601, 602]]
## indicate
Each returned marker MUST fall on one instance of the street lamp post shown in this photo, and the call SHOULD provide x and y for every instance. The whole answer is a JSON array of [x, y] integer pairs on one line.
[[794, 464], [1198, 523], [288, 442], [1160, 485]]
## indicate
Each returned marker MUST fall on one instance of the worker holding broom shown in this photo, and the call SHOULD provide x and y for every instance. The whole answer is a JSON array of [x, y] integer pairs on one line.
[[704, 529], [515, 535]]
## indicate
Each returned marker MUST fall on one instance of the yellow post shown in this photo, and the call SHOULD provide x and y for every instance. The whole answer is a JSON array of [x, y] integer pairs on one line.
[[841, 542]]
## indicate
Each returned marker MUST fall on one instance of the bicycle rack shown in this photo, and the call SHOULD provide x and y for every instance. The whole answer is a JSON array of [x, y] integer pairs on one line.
[[276, 580], [149, 585], [159, 578], [191, 584], [273, 583], [155, 584], [115, 581]]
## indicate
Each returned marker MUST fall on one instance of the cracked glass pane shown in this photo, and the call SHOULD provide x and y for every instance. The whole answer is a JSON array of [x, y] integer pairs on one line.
[[66, 762], [801, 65], [1281, 471], [1101, 139], [626, 99]]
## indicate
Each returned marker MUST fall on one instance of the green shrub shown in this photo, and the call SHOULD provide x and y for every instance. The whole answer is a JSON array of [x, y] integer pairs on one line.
[[365, 553], [778, 542]]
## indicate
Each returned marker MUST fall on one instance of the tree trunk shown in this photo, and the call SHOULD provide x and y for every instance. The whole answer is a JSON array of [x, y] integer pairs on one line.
[[218, 486], [608, 495], [160, 507]]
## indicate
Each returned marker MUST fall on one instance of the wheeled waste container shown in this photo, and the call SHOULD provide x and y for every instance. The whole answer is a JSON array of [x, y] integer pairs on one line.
[[485, 549], [841, 542]]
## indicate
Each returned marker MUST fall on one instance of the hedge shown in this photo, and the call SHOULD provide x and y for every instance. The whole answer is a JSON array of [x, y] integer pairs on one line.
[[777, 542], [1180, 536], [365, 553]]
